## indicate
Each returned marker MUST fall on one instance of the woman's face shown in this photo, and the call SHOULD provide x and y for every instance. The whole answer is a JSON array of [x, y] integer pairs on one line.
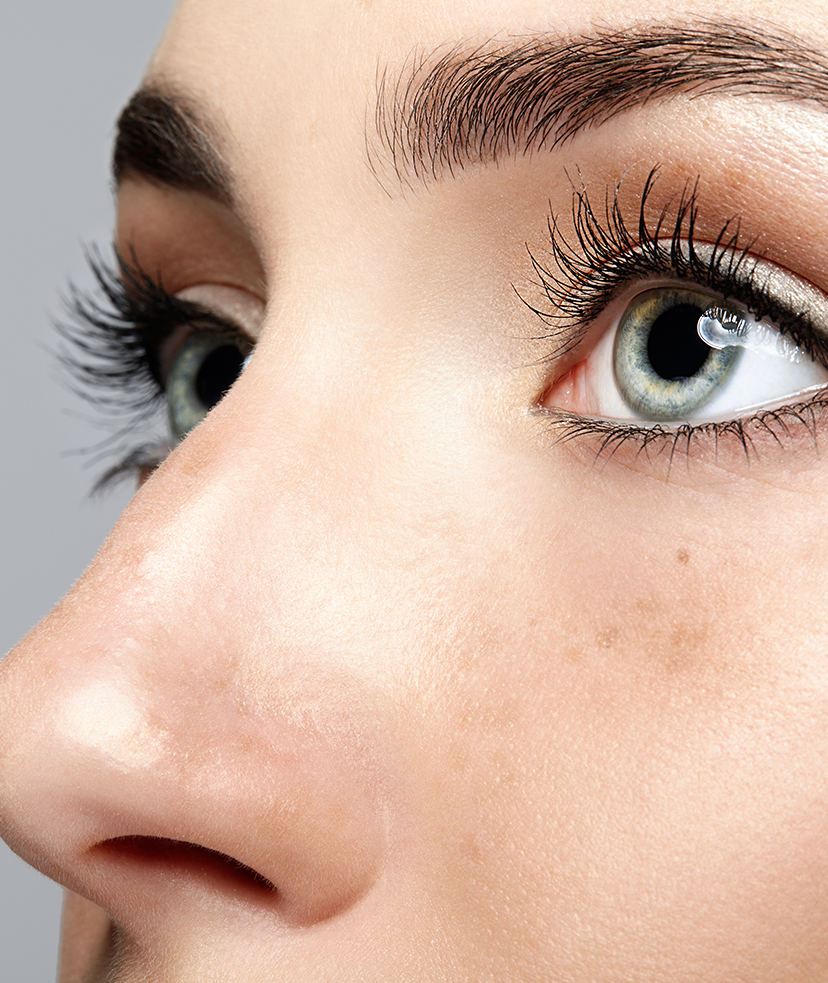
[[479, 631]]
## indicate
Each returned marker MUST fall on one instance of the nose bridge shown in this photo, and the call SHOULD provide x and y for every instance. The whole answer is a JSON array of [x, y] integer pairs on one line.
[[166, 739]]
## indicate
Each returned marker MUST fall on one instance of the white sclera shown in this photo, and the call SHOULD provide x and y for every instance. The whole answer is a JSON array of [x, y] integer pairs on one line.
[[772, 370]]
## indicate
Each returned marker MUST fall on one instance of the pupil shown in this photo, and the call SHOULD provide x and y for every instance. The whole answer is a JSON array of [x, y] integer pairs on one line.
[[674, 347], [218, 372]]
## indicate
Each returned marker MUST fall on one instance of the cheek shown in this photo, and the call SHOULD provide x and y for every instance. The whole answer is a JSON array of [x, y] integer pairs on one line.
[[634, 736]]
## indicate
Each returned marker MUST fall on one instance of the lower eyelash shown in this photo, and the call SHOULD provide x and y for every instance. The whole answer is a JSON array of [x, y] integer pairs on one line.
[[608, 438]]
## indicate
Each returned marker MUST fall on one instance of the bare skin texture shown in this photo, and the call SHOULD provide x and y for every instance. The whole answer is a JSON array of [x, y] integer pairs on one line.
[[378, 678]]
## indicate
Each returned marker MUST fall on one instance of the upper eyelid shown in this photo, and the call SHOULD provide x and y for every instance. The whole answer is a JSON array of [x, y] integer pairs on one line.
[[607, 252], [113, 342], [228, 308]]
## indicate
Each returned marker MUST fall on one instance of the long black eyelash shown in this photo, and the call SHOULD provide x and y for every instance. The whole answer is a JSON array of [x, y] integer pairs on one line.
[[111, 342], [582, 279]]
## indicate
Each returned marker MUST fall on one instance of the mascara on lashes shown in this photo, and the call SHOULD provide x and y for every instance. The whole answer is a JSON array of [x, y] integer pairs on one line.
[[585, 274]]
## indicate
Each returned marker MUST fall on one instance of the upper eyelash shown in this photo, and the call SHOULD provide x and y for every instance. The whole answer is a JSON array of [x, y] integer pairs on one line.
[[113, 345], [112, 339], [582, 279]]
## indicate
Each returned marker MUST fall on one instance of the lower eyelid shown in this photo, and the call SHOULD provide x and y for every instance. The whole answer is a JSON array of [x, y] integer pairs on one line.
[[139, 464], [786, 440]]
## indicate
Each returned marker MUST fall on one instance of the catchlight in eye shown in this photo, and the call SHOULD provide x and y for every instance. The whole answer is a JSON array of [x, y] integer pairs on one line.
[[720, 328]]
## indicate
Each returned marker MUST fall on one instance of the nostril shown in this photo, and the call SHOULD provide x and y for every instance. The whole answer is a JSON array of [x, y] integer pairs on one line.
[[174, 859], [164, 806]]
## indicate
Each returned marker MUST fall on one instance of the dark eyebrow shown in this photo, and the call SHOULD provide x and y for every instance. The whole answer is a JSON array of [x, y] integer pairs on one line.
[[471, 105], [161, 137]]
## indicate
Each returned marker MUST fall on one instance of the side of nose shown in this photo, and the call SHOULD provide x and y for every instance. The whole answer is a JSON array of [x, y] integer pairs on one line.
[[151, 770]]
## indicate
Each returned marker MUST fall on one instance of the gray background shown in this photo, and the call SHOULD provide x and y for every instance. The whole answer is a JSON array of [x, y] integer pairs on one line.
[[65, 70]]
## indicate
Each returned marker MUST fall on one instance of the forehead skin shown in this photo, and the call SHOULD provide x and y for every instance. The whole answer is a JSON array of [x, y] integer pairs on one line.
[[479, 707]]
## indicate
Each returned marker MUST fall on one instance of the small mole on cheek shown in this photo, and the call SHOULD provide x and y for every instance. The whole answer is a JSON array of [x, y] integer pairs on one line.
[[683, 557]]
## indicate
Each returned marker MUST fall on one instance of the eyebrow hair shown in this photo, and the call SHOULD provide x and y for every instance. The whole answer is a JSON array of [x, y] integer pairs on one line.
[[161, 137], [469, 105], [473, 105]]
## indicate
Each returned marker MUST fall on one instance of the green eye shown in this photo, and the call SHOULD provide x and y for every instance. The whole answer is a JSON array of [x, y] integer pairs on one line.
[[205, 368], [663, 368]]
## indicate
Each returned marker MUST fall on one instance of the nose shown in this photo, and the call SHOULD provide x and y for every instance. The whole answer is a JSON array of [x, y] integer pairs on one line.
[[167, 753]]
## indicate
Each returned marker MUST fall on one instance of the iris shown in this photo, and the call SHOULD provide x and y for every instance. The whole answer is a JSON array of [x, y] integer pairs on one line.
[[664, 370], [205, 368]]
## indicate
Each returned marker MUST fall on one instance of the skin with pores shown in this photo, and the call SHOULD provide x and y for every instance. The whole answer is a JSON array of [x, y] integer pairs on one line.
[[394, 669]]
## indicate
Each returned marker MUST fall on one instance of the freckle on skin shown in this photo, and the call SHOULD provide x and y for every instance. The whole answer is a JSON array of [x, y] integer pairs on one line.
[[683, 557]]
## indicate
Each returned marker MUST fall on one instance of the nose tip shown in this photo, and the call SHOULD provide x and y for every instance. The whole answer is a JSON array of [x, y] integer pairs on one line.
[[157, 787]]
